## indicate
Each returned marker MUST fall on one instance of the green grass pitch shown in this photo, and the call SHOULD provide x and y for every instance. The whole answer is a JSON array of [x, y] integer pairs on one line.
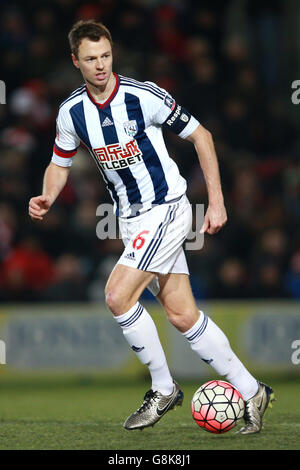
[[87, 414]]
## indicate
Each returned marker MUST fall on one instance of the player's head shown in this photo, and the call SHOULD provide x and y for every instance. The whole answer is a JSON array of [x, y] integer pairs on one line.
[[91, 48]]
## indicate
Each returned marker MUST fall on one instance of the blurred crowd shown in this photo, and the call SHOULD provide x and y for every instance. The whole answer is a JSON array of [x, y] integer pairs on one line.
[[227, 63]]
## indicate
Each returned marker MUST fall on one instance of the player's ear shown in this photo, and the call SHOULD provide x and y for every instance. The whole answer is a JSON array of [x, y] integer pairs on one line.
[[75, 60]]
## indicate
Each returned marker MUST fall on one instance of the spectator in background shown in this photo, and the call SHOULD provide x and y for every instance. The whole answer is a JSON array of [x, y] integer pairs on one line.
[[268, 282], [265, 21], [68, 282], [272, 249], [291, 192], [26, 271], [8, 225], [292, 278], [269, 262], [231, 281], [202, 94]]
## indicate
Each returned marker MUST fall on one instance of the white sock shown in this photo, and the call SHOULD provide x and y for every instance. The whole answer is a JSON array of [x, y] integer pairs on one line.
[[211, 344], [140, 332]]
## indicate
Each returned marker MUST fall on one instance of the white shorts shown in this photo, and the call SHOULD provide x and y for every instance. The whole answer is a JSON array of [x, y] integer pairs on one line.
[[153, 240]]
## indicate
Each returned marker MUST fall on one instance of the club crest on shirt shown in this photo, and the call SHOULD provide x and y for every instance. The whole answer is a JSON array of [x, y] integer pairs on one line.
[[131, 128]]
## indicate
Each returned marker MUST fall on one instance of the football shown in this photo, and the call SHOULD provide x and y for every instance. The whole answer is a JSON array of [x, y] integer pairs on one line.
[[217, 406]]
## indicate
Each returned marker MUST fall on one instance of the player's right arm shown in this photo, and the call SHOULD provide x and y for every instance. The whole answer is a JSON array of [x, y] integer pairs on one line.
[[55, 178], [56, 174]]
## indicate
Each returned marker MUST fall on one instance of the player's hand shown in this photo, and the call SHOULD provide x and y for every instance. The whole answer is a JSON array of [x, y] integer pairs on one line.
[[38, 207], [215, 218]]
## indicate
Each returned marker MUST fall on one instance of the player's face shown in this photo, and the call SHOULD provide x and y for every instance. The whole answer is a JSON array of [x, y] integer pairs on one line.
[[95, 61]]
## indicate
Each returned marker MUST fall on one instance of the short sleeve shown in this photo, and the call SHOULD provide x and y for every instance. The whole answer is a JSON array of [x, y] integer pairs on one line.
[[171, 115], [66, 141]]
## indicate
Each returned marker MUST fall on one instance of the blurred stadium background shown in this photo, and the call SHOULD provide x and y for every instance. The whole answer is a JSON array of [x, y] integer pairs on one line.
[[232, 65]]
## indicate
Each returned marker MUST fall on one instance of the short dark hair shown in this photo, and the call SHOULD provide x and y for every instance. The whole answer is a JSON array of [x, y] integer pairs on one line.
[[89, 29]]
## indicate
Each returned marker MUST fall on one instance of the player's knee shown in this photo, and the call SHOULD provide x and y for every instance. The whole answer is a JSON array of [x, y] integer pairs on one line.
[[114, 301]]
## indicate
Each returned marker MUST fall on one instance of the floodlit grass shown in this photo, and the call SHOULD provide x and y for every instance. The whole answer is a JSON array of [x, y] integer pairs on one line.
[[88, 415]]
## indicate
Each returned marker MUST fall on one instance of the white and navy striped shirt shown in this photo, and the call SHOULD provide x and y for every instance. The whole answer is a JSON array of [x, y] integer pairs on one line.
[[124, 136]]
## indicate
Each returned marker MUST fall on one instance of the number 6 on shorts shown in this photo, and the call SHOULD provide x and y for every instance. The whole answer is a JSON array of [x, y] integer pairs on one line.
[[139, 240]]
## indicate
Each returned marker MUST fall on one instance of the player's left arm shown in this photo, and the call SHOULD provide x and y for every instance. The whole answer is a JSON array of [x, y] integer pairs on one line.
[[166, 112], [215, 216]]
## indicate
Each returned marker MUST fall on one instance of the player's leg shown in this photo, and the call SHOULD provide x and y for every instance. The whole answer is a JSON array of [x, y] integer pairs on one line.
[[124, 287], [175, 295], [211, 344], [203, 335], [123, 290]]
